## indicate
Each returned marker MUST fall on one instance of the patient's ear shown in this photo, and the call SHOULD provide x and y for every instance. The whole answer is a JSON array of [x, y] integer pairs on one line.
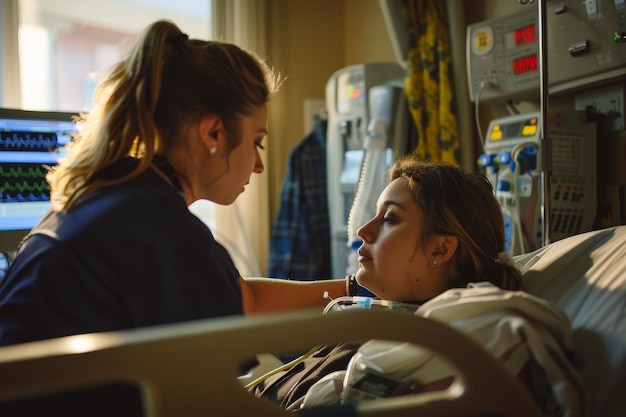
[[443, 247]]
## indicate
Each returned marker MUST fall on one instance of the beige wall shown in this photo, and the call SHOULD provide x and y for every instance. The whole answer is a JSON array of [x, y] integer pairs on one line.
[[366, 38], [304, 47]]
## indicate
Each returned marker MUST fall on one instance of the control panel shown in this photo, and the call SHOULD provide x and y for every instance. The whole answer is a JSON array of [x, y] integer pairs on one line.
[[503, 57], [585, 45], [512, 148]]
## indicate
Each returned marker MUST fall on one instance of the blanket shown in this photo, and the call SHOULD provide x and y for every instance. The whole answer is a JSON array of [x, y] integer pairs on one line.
[[527, 334]]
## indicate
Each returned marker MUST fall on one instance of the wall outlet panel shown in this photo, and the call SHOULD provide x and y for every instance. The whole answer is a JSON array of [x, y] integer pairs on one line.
[[608, 101]]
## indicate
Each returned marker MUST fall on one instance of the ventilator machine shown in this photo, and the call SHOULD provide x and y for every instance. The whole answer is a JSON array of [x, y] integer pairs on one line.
[[367, 129]]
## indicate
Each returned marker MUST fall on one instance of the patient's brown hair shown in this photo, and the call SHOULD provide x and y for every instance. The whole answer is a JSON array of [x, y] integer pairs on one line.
[[461, 204]]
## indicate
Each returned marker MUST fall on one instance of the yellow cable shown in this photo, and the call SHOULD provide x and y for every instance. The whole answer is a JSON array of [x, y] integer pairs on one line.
[[281, 368]]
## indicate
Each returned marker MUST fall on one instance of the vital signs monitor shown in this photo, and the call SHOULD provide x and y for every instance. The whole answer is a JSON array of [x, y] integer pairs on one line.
[[30, 142]]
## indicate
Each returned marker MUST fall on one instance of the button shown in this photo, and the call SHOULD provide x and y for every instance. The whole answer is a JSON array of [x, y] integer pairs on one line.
[[579, 48]]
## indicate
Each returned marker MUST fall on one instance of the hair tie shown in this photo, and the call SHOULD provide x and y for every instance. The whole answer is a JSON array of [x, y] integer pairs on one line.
[[505, 258], [179, 40]]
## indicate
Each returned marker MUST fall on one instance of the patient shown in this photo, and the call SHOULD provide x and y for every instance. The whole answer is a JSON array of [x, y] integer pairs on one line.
[[437, 229]]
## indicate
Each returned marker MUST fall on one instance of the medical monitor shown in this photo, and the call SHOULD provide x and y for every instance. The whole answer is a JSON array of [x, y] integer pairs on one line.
[[30, 143]]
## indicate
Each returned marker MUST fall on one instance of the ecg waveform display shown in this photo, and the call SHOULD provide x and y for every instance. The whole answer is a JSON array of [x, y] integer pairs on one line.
[[23, 183], [28, 141]]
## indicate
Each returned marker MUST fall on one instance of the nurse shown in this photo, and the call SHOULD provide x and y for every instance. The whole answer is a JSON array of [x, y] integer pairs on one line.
[[178, 120]]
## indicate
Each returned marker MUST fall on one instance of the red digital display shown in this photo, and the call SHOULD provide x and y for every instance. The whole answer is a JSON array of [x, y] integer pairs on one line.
[[525, 64], [524, 35]]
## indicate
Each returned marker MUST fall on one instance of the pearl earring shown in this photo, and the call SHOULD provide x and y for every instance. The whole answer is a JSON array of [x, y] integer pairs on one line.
[[435, 262], [213, 150]]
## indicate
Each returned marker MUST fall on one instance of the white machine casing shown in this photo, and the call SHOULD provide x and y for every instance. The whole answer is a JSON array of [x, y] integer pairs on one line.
[[350, 93], [573, 176]]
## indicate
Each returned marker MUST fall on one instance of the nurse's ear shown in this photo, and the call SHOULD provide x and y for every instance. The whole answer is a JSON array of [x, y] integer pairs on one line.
[[210, 130], [443, 248]]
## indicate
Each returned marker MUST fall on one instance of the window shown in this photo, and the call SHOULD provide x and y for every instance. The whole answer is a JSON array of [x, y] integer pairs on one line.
[[64, 45]]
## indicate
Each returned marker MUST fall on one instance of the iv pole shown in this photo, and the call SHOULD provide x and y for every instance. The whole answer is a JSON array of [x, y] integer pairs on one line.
[[546, 144], [544, 139]]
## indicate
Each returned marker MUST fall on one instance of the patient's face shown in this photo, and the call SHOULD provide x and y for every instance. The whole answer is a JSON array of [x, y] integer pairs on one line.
[[393, 264]]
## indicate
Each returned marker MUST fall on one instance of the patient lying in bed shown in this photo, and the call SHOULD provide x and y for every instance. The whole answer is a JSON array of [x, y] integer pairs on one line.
[[528, 335], [435, 244]]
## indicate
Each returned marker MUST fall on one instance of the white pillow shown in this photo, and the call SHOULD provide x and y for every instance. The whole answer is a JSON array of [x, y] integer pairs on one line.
[[585, 276]]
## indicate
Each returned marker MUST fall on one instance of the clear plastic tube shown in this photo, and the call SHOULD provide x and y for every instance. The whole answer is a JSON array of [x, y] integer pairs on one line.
[[347, 302], [372, 181]]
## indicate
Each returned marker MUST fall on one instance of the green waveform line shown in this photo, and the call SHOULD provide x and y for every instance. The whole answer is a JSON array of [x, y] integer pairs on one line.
[[31, 172], [24, 186]]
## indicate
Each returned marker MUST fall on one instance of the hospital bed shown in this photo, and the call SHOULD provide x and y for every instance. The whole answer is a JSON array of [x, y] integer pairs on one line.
[[195, 369]]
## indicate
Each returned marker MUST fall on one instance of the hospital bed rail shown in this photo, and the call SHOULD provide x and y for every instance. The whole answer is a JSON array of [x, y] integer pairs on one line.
[[192, 369]]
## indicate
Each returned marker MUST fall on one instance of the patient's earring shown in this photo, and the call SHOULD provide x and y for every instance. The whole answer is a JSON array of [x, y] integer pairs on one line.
[[213, 150], [435, 262]]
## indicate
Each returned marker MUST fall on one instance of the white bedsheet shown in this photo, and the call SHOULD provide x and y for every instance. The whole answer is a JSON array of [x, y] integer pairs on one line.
[[585, 276]]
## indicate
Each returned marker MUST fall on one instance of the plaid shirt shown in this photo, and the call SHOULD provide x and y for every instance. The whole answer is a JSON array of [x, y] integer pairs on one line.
[[300, 235]]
